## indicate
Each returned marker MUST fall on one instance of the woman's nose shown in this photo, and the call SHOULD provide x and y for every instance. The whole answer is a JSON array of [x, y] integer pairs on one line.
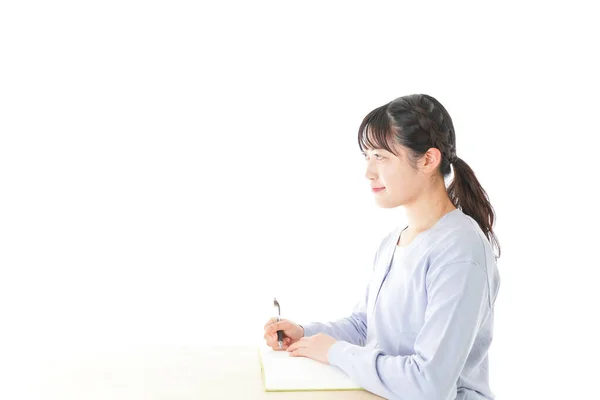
[[370, 172]]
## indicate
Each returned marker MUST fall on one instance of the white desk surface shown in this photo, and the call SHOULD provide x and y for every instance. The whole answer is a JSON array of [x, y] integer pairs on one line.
[[184, 373]]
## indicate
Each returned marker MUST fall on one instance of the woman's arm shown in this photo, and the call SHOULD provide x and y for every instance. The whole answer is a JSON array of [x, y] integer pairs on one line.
[[458, 302]]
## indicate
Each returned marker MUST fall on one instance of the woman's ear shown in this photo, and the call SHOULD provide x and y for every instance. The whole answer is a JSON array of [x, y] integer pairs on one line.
[[431, 160]]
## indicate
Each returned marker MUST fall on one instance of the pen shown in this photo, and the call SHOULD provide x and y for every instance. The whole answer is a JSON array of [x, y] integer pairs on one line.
[[279, 333]]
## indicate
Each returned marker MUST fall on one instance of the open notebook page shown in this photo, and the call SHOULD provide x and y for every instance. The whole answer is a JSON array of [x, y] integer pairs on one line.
[[282, 372]]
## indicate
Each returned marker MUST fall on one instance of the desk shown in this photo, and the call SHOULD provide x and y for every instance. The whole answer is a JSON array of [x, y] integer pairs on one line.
[[173, 374]]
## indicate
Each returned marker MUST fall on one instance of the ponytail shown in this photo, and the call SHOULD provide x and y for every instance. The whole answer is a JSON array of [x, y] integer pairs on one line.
[[466, 193]]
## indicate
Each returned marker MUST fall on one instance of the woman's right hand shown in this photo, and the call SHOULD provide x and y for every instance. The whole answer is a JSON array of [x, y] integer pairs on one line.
[[292, 332]]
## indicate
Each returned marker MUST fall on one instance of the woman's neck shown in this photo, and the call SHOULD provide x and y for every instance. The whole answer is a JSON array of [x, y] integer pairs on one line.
[[427, 210]]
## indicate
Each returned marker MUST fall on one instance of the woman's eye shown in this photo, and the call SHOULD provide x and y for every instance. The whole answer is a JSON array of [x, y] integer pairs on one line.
[[377, 156]]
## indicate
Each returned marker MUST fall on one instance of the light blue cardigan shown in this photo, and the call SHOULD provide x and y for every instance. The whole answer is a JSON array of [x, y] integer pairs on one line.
[[424, 326]]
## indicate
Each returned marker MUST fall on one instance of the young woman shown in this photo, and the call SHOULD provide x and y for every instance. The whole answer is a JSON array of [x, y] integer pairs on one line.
[[423, 328]]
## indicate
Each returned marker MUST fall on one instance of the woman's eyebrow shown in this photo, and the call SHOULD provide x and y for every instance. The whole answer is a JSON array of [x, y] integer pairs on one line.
[[379, 152]]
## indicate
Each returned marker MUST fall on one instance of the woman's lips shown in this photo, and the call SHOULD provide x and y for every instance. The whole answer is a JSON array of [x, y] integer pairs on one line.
[[377, 190]]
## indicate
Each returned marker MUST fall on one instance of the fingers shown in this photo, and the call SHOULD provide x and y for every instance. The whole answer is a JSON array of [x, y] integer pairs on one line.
[[298, 345], [277, 326], [271, 340], [299, 348], [299, 352], [275, 345], [273, 325], [286, 343], [270, 321], [270, 335]]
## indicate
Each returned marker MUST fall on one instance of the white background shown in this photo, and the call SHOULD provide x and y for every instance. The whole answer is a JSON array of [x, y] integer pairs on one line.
[[167, 168]]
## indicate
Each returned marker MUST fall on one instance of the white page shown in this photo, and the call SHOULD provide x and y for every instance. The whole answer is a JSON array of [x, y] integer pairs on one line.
[[284, 372]]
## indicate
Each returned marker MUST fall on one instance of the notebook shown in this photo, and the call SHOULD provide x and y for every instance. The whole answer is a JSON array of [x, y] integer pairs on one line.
[[284, 373]]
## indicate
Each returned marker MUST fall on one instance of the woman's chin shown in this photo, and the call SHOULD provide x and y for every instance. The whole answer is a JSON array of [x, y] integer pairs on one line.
[[385, 204]]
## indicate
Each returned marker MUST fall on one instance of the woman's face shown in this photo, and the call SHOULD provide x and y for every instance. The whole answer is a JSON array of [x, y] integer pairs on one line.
[[400, 182]]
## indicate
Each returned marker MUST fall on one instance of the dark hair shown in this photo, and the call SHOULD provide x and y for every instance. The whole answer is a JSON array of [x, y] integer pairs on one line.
[[419, 122]]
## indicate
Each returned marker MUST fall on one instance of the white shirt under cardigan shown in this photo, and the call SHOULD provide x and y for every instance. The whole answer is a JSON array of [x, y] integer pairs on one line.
[[423, 328]]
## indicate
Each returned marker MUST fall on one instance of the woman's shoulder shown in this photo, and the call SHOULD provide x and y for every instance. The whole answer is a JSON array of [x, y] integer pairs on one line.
[[459, 239], [462, 241]]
